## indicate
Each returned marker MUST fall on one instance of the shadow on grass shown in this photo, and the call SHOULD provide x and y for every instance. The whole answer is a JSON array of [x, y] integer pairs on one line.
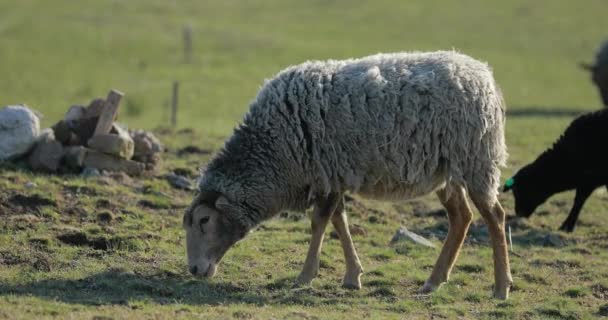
[[536, 111], [118, 288], [523, 233]]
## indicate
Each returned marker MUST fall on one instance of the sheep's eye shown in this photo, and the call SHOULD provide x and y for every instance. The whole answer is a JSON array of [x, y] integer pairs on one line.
[[203, 221]]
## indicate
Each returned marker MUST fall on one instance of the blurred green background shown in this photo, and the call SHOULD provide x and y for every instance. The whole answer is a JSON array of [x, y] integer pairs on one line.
[[57, 53]]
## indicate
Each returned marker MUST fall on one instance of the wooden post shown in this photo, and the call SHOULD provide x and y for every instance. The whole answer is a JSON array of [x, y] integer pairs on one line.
[[174, 102], [109, 112], [188, 43]]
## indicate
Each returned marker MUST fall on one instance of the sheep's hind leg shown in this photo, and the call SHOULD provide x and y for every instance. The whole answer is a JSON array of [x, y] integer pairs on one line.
[[320, 217], [494, 215], [459, 218], [352, 278]]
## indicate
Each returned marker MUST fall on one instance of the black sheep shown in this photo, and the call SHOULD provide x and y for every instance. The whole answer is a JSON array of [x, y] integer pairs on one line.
[[578, 160]]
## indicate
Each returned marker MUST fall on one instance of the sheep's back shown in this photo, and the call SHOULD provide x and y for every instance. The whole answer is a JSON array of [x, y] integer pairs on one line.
[[396, 125]]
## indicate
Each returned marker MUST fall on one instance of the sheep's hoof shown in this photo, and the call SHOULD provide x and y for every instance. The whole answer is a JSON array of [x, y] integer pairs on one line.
[[428, 287], [303, 281], [566, 228], [501, 294], [352, 285]]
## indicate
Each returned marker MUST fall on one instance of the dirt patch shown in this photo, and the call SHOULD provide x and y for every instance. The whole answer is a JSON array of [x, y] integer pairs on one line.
[[42, 263], [104, 204], [382, 292], [192, 150], [81, 239], [558, 264], [31, 202], [10, 259], [600, 291], [80, 190], [186, 172], [74, 238], [105, 217], [470, 268], [151, 205]]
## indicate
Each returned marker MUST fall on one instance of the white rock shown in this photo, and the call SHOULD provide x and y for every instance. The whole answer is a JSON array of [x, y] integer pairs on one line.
[[404, 234], [19, 128]]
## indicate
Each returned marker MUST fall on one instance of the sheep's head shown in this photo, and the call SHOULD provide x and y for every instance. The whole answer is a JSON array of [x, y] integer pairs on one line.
[[210, 232], [527, 191]]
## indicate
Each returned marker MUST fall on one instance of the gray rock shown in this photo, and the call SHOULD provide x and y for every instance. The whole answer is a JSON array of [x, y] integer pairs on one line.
[[94, 108], [179, 182], [74, 156], [30, 185], [46, 155], [554, 240], [74, 113], [146, 143], [404, 234], [102, 161], [89, 172], [19, 128]]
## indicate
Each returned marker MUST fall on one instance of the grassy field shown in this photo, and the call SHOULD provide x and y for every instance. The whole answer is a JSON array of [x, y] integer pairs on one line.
[[60, 258]]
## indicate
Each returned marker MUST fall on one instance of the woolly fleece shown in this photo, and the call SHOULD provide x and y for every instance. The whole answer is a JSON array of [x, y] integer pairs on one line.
[[387, 126]]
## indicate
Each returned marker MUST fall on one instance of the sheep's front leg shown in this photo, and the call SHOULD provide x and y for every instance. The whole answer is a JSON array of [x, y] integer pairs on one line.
[[320, 217], [352, 278], [459, 218], [579, 200]]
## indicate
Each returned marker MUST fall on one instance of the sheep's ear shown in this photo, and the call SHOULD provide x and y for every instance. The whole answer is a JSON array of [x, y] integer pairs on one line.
[[225, 206], [508, 185]]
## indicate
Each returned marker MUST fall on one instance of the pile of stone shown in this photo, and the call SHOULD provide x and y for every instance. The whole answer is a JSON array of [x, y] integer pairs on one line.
[[87, 137]]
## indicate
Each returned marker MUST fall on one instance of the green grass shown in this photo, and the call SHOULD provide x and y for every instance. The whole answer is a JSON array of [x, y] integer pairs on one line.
[[57, 53]]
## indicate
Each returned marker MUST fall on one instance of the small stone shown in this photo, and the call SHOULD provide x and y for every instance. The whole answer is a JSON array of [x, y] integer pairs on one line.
[[102, 161], [554, 240], [404, 234], [89, 172], [603, 311], [74, 113], [47, 155], [105, 217], [30, 185], [19, 128], [179, 182], [357, 230]]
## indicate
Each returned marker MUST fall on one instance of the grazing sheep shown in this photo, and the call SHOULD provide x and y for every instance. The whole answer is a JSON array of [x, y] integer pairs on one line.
[[576, 161], [599, 72], [388, 126]]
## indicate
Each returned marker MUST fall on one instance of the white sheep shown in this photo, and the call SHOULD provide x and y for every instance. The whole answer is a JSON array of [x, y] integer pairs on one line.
[[388, 126]]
